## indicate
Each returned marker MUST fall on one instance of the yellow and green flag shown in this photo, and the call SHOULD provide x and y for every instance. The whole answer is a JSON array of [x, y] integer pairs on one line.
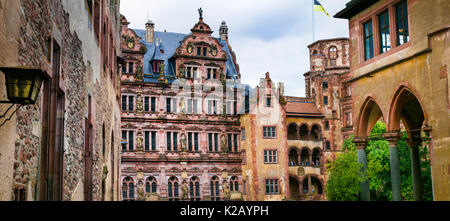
[[319, 8]]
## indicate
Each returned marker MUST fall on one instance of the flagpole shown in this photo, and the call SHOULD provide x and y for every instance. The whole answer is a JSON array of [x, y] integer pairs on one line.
[[312, 10]]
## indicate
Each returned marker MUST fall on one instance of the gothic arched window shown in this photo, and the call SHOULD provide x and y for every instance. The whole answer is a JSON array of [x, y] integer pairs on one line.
[[128, 189], [172, 189], [150, 185], [234, 184], [215, 193], [333, 55], [194, 189]]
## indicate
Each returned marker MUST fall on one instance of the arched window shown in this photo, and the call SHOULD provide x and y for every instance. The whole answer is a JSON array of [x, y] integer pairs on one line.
[[316, 157], [316, 186], [173, 191], [194, 188], [315, 132], [305, 157], [293, 158], [292, 132], [234, 184], [128, 189], [215, 193], [150, 185], [305, 186], [333, 55], [304, 132]]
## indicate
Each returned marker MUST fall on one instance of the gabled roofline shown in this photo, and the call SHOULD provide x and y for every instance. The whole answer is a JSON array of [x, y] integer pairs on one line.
[[326, 40], [354, 7]]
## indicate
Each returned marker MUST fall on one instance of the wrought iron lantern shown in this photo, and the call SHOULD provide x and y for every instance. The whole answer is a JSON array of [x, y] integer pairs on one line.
[[22, 84]]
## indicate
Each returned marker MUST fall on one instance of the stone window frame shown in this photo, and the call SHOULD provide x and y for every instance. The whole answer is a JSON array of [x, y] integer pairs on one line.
[[211, 77], [217, 106], [234, 184], [373, 15], [194, 75], [127, 95], [194, 144], [212, 143], [172, 141], [150, 142], [215, 192], [270, 156], [276, 183], [270, 135], [195, 188], [152, 183], [191, 101]]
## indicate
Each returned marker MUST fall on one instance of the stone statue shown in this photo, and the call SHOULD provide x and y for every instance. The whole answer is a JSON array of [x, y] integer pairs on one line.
[[139, 105], [184, 191], [139, 140], [200, 12], [139, 75], [226, 190], [223, 144], [181, 106], [183, 143], [141, 192]]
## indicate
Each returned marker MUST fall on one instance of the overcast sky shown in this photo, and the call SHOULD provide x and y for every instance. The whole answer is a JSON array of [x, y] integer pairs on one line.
[[267, 35]]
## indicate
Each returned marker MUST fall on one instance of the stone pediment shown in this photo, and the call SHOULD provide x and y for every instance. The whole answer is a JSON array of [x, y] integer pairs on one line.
[[215, 169], [174, 170], [173, 128], [151, 127], [194, 170], [235, 170]]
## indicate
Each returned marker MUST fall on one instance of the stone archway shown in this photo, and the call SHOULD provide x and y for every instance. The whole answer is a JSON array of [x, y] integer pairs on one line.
[[406, 109]]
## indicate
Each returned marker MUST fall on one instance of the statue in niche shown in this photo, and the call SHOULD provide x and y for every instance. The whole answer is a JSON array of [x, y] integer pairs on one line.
[[223, 144], [139, 104], [183, 143], [139, 141], [141, 192], [226, 190], [184, 191], [181, 106], [139, 75]]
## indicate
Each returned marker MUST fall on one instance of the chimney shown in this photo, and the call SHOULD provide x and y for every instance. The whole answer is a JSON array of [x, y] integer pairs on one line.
[[150, 32], [223, 31]]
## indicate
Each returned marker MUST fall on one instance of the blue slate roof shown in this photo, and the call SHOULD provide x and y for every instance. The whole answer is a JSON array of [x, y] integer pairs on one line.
[[169, 42]]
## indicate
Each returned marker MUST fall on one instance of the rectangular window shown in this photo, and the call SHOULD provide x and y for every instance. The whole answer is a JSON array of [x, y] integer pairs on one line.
[[168, 105], [270, 157], [153, 104], [230, 143], [130, 103], [385, 34], [196, 142], [131, 140], [169, 141], [153, 141], [216, 142], [325, 85], [210, 142], [130, 67], [368, 40], [208, 73], [124, 69], [147, 140], [146, 104], [204, 52], [175, 141], [195, 104], [272, 187], [269, 101], [269, 132], [325, 100], [190, 142], [235, 142], [327, 125], [174, 107], [199, 51], [189, 72], [194, 73], [124, 137], [124, 103], [327, 145], [401, 15]]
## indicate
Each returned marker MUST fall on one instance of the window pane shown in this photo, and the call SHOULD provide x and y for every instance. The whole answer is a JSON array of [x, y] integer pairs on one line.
[[154, 141], [131, 140]]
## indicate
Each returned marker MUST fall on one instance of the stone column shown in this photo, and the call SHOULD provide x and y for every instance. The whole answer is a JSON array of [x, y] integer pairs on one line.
[[393, 138], [361, 144], [298, 133], [415, 167]]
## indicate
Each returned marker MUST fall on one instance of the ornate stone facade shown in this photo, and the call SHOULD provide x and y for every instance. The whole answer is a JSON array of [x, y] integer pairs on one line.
[[42, 150], [181, 97]]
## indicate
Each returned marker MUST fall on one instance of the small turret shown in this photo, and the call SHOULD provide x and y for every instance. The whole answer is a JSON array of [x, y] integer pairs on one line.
[[223, 31], [150, 32]]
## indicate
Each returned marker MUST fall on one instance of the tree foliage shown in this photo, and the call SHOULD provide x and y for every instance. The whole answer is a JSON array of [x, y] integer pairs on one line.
[[344, 179], [345, 167]]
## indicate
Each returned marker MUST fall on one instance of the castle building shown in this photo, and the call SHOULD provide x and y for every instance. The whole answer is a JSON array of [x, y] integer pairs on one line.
[[399, 72], [66, 145], [181, 100]]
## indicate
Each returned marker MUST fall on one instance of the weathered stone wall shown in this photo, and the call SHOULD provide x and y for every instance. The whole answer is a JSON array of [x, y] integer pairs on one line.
[[30, 32]]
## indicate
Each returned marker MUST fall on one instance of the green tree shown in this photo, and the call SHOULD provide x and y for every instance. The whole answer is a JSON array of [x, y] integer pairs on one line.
[[345, 186], [344, 177]]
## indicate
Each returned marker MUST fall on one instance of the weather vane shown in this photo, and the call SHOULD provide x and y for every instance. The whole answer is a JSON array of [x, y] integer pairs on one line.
[[200, 11]]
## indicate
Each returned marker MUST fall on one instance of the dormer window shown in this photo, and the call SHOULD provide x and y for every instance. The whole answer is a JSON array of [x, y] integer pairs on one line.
[[156, 66]]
